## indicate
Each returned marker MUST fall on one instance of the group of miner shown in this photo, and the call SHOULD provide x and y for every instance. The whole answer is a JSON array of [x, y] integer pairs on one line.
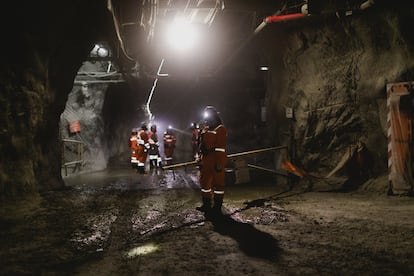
[[145, 144], [209, 140]]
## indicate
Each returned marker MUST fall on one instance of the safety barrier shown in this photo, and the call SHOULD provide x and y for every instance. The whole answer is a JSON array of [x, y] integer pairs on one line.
[[72, 155]]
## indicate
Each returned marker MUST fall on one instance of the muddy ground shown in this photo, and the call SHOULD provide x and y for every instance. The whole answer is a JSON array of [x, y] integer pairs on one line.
[[121, 223]]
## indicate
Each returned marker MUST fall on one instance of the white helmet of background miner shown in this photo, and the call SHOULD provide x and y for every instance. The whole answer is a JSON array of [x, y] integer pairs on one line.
[[211, 117]]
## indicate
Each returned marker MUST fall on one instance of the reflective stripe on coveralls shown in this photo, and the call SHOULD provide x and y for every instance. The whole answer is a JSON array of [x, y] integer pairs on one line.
[[134, 147], [213, 162], [153, 157]]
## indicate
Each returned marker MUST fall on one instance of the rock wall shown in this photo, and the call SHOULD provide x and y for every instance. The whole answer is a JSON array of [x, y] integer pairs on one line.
[[333, 73], [45, 43], [85, 104]]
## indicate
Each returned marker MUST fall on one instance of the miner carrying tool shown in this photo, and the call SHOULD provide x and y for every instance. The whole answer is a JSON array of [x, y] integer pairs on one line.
[[213, 158]]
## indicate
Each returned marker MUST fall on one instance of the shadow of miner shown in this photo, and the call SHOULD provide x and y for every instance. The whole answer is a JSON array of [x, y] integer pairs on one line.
[[252, 241]]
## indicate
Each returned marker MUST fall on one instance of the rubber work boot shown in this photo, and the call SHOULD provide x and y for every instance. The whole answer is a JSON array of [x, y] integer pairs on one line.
[[206, 207], [218, 202], [141, 170]]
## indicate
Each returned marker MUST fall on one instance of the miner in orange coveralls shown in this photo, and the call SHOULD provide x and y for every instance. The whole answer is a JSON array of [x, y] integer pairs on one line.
[[154, 154], [143, 146], [213, 158], [169, 145], [133, 144]]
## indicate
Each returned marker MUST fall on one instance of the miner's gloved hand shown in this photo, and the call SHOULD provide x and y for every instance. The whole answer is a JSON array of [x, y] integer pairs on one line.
[[217, 168]]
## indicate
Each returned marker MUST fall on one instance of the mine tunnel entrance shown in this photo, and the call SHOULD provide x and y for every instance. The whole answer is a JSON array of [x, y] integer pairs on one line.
[[105, 104]]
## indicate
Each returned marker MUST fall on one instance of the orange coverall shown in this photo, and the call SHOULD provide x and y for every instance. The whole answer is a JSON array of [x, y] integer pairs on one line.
[[169, 145], [133, 144], [213, 162], [142, 151]]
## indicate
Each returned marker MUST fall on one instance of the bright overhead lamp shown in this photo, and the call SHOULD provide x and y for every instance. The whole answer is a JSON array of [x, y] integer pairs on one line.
[[182, 35]]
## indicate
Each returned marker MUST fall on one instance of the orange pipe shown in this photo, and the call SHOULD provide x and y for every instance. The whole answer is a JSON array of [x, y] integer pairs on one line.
[[277, 18]]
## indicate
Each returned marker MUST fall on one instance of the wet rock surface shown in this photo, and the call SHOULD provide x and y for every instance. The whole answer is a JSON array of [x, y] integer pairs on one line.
[[121, 223]]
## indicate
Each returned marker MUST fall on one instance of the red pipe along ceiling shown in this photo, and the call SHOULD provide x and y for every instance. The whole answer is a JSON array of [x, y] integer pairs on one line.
[[277, 18]]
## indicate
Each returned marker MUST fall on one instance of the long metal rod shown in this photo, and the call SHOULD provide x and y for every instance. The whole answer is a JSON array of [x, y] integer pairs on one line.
[[192, 163], [265, 169], [255, 151]]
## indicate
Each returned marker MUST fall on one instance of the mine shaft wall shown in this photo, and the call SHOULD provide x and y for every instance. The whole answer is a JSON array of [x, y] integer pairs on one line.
[[333, 73], [39, 63]]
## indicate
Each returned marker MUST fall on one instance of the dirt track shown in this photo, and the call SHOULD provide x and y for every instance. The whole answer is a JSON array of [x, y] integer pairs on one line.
[[99, 227]]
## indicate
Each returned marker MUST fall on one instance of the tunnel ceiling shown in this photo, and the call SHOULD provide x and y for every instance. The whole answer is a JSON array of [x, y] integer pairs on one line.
[[227, 29]]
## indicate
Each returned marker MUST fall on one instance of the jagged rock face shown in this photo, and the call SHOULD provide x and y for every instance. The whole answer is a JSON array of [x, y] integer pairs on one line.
[[39, 61], [84, 105], [333, 73]]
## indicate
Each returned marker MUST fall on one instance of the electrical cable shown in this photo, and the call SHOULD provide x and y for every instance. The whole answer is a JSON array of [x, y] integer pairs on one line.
[[154, 85], [118, 32]]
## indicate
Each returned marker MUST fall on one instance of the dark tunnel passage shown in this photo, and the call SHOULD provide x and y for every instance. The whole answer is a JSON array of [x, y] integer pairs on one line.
[[316, 98]]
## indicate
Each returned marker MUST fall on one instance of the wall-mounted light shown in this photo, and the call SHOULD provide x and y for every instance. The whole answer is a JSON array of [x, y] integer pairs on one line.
[[264, 68]]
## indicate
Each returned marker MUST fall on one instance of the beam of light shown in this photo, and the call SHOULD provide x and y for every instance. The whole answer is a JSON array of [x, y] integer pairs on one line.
[[144, 249], [181, 35]]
